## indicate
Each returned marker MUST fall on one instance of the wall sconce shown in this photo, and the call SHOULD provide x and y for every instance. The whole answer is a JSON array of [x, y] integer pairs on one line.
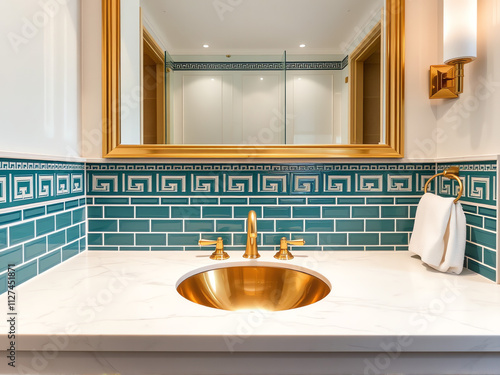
[[459, 48]]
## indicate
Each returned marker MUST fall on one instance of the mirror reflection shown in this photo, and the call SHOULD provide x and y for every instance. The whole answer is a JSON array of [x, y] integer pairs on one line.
[[216, 72]]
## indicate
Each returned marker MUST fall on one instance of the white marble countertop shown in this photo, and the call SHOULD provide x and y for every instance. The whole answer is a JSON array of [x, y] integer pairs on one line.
[[126, 301]]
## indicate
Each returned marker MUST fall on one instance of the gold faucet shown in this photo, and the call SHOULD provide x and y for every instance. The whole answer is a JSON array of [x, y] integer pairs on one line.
[[251, 251]]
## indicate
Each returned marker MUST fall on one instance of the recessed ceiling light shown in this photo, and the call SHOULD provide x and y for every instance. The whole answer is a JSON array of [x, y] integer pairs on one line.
[[261, 78], [302, 45], [206, 46]]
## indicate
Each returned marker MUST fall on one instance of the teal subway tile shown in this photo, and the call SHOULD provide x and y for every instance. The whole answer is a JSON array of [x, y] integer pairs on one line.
[[63, 220], [405, 225], [83, 244], [394, 238], [407, 201], [166, 225], [273, 239], [119, 239], [33, 212], [170, 201], [231, 225], [350, 200], [474, 251], [343, 248], [321, 200], [306, 248], [365, 212], [133, 226], [310, 238], [167, 248], [56, 240], [490, 224], [291, 201], [269, 201], [90, 201], [307, 212], [241, 239], [3, 283], [134, 201], [485, 271], [233, 201], [50, 260], [10, 217], [413, 212], [119, 212], [349, 226], [103, 248], [134, 248], [70, 250], [265, 225], [217, 212], [477, 221], [363, 239], [3, 238], [277, 212], [11, 256], [81, 202], [95, 212], [337, 212], [71, 204], [95, 239], [25, 272], [53, 208], [333, 239], [79, 215], [490, 258], [484, 238], [487, 212], [159, 239], [198, 226], [379, 225], [243, 211], [45, 225], [103, 225], [401, 248], [469, 208], [380, 248], [379, 200], [152, 212], [21, 232], [394, 212], [468, 230], [73, 233], [183, 239], [289, 225], [204, 201], [226, 238], [107, 201], [319, 226], [185, 212]]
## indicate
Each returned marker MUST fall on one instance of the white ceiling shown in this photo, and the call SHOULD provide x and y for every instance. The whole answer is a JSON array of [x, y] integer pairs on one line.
[[259, 26]]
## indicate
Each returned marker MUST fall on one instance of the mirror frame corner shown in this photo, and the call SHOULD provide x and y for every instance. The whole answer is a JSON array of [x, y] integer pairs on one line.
[[394, 106]]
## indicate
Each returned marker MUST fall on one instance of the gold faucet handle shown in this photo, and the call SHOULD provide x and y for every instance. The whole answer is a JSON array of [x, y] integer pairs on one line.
[[284, 254], [219, 253]]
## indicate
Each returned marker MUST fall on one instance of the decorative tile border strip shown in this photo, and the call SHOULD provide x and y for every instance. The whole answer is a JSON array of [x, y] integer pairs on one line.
[[249, 66], [240, 179], [26, 182]]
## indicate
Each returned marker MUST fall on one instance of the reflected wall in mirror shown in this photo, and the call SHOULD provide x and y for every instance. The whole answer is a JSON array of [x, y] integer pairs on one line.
[[243, 96]]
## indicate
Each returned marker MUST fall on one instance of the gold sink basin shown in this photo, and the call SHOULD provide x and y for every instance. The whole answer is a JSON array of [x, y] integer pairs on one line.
[[259, 285]]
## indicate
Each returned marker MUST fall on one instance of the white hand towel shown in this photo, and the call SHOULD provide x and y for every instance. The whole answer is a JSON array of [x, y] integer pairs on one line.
[[439, 233]]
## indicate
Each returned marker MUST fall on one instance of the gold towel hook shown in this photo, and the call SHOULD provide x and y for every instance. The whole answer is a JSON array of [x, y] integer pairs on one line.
[[451, 173]]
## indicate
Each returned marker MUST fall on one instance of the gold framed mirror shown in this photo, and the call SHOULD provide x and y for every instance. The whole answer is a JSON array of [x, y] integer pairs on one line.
[[393, 146]]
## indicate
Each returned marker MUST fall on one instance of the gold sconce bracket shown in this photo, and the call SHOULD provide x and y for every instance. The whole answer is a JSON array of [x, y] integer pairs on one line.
[[442, 82]]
